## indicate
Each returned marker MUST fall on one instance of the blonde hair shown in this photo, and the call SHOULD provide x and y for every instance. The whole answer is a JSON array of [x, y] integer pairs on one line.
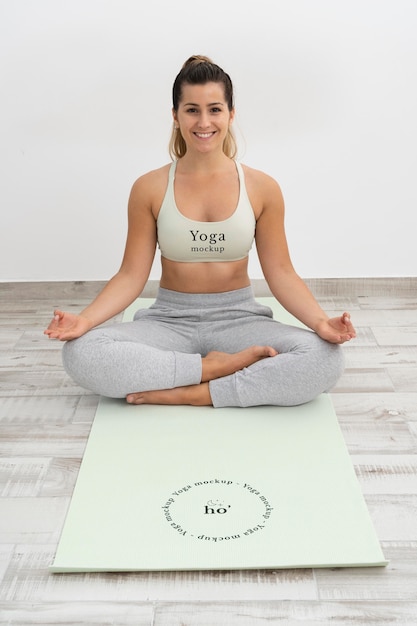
[[198, 70]]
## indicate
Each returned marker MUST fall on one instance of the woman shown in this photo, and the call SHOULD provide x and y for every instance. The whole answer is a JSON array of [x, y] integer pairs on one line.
[[205, 340]]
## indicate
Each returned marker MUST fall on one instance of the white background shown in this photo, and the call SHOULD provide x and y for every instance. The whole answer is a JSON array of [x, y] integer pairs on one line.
[[326, 96]]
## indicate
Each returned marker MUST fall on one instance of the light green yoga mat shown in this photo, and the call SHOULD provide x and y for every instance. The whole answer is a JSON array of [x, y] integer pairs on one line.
[[186, 488]]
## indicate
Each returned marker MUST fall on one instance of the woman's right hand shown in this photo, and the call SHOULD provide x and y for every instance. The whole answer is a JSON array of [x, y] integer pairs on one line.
[[67, 326]]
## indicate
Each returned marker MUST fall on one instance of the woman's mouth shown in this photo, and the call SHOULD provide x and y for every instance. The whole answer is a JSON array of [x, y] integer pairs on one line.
[[204, 135]]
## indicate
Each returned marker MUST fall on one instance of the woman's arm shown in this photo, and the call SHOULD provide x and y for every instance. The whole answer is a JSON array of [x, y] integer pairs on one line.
[[131, 278], [285, 284]]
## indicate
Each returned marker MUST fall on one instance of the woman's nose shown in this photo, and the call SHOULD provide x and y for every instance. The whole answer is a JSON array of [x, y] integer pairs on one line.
[[203, 120]]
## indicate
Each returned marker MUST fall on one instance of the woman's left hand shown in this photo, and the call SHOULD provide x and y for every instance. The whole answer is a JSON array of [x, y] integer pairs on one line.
[[337, 329]]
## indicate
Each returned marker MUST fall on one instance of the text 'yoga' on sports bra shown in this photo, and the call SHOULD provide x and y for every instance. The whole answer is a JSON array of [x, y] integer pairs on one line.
[[185, 240]]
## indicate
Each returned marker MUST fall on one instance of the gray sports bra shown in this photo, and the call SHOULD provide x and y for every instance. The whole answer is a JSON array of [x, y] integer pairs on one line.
[[185, 240]]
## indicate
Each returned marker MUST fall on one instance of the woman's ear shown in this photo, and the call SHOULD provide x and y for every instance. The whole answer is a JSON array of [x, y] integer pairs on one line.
[[174, 117]]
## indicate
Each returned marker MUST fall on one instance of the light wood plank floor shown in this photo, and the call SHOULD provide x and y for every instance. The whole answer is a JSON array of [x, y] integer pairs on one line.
[[45, 420]]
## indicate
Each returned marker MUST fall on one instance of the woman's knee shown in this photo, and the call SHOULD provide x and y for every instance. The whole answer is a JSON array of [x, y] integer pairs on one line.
[[74, 355], [322, 364], [81, 359], [331, 363]]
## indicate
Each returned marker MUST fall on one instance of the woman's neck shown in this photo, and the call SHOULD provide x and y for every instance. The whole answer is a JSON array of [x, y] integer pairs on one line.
[[192, 162]]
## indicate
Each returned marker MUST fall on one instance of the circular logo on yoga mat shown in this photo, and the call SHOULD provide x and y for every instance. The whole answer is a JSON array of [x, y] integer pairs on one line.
[[217, 510]]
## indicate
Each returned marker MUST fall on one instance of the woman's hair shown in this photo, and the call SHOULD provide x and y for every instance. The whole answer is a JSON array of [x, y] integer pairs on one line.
[[199, 70]]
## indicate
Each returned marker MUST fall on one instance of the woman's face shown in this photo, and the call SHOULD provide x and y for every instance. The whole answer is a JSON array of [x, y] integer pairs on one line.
[[203, 116]]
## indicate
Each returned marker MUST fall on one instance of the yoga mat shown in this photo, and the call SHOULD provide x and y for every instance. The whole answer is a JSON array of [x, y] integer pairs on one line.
[[193, 488]]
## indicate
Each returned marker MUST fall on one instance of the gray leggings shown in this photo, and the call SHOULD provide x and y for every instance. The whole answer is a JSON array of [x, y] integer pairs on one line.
[[163, 346]]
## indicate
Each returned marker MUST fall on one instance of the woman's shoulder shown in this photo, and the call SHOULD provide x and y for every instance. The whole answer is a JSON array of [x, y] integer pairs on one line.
[[151, 185], [149, 189], [259, 182]]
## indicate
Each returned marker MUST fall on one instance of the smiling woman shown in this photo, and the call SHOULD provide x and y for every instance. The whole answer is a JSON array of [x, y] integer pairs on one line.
[[205, 341], [202, 116], [199, 70]]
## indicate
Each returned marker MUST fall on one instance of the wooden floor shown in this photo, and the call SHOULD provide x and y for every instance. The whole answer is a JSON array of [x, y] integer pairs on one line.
[[45, 420]]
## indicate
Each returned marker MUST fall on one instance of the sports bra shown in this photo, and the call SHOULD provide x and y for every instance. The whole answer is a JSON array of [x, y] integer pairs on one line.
[[185, 240]]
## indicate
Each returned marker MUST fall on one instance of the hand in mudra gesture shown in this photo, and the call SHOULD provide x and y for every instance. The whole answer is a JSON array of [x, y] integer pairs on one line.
[[66, 326], [337, 329]]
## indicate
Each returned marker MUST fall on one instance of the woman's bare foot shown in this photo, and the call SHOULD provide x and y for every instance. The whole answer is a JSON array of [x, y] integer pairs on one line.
[[195, 395], [215, 365], [218, 364]]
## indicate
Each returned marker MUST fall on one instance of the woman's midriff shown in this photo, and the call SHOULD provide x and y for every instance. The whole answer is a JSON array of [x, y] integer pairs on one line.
[[210, 277]]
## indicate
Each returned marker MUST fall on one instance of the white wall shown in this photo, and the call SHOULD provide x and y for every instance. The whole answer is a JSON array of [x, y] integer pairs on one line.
[[326, 94]]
